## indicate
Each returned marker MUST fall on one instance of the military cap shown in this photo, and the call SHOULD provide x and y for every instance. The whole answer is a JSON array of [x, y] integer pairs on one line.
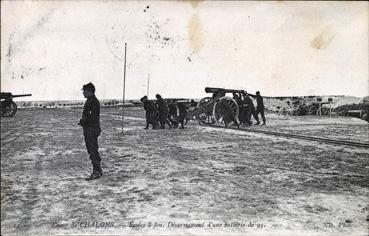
[[89, 87]]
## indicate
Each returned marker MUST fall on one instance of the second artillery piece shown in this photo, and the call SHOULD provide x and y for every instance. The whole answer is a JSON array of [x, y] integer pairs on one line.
[[215, 109], [8, 107]]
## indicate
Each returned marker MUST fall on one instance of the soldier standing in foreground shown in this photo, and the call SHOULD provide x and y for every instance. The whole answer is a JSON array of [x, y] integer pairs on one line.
[[151, 112], [90, 122]]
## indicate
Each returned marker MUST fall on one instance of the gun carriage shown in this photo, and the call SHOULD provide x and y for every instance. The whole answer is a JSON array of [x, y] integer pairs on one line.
[[320, 108], [214, 109], [8, 107]]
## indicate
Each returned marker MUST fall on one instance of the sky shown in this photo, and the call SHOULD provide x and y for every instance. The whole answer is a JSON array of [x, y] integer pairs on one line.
[[177, 48]]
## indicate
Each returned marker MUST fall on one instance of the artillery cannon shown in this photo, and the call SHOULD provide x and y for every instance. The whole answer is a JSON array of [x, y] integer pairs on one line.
[[215, 109], [320, 108], [8, 107]]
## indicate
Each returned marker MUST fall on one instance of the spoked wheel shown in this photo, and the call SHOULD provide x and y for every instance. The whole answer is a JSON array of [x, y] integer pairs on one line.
[[325, 111], [8, 110], [206, 118], [225, 111]]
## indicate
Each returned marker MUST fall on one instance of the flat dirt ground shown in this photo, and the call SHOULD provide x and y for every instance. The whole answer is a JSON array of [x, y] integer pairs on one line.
[[199, 180]]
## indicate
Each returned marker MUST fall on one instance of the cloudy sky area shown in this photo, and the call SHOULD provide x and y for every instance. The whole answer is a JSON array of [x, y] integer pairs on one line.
[[50, 49]]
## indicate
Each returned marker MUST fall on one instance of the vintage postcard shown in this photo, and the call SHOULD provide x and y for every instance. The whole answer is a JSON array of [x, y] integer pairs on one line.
[[184, 118]]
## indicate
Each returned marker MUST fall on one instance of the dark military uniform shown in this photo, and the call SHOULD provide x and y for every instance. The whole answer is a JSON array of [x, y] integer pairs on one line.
[[260, 107], [91, 130], [173, 117], [182, 113], [249, 110], [163, 112], [151, 114]]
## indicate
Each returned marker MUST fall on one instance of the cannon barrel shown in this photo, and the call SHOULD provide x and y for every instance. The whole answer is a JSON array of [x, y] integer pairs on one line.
[[21, 95], [213, 90], [10, 95]]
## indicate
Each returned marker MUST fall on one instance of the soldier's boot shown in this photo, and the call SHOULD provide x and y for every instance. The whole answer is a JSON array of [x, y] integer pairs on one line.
[[98, 167], [94, 175], [147, 125], [257, 123]]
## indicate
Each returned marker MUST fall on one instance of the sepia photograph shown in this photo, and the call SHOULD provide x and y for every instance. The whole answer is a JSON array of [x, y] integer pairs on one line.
[[184, 117]]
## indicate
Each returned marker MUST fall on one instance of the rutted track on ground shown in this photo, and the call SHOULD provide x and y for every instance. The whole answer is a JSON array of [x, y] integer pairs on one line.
[[297, 136]]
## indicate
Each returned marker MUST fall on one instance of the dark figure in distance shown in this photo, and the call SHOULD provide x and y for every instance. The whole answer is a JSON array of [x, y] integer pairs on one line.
[[173, 117], [163, 111], [249, 109], [90, 122], [240, 103], [260, 107], [182, 113], [151, 112], [192, 104]]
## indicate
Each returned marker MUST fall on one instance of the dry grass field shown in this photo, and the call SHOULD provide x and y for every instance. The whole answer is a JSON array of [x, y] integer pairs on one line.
[[199, 180]]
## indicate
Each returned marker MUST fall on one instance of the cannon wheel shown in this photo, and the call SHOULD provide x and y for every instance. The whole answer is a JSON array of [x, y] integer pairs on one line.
[[218, 113], [313, 110], [205, 118], [325, 111], [9, 110]]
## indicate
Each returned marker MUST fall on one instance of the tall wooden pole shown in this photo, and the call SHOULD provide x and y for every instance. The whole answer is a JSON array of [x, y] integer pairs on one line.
[[124, 84], [148, 85]]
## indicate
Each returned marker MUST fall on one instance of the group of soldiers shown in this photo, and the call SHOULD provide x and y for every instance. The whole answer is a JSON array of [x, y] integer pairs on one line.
[[247, 108], [160, 113]]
